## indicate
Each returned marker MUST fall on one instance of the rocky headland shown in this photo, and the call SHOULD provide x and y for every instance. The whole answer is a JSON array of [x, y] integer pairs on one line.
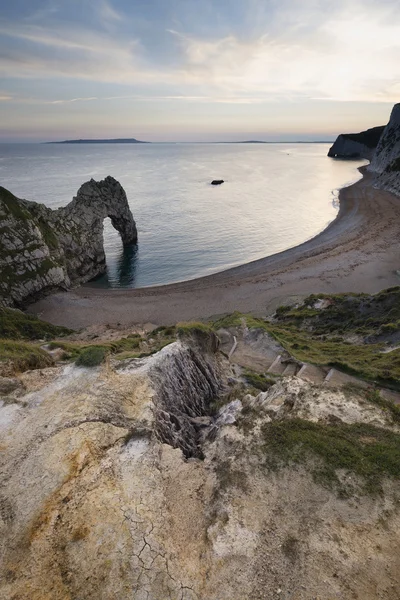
[[356, 145], [43, 250]]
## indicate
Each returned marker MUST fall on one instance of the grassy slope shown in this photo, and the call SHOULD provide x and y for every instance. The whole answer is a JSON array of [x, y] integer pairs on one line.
[[321, 336]]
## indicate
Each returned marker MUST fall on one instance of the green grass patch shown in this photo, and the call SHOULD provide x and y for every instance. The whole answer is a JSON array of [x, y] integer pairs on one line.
[[14, 205], [371, 453], [17, 325], [24, 356], [92, 356], [362, 360], [375, 397], [307, 333], [190, 328], [347, 313], [258, 381]]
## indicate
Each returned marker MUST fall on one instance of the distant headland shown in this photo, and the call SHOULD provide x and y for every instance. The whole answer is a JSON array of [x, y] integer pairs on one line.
[[116, 141], [134, 141]]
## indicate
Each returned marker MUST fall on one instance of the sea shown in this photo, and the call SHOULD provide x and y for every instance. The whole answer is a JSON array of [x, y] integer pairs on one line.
[[275, 196]]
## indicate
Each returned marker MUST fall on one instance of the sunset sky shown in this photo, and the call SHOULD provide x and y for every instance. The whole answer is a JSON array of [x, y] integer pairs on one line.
[[206, 70]]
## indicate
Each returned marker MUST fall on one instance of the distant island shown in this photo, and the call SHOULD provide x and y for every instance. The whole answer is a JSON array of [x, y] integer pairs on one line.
[[116, 141], [134, 141]]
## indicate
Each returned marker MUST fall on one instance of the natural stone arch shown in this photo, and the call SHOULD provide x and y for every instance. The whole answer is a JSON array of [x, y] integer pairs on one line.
[[43, 249], [97, 200]]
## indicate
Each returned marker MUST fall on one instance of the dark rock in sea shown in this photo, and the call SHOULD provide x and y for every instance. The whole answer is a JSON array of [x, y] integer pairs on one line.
[[217, 182], [42, 250], [356, 145]]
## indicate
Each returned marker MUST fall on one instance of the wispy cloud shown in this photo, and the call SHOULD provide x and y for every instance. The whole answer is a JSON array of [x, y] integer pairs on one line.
[[301, 50], [108, 12]]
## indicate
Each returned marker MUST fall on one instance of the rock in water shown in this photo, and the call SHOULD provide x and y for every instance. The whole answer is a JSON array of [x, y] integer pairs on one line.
[[42, 249], [217, 182]]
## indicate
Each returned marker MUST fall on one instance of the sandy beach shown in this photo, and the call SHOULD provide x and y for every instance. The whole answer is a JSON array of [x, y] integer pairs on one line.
[[357, 252]]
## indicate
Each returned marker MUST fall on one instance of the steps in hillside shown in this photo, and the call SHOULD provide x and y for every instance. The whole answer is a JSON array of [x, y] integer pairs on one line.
[[391, 396], [337, 378], [263, 355], [311, 373], [278, 366], [292, 368]]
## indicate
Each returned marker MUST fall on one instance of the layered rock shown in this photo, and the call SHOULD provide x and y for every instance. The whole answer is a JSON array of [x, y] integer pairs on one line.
[[386, 160], [43, 249], [356, 145], [98, 502]]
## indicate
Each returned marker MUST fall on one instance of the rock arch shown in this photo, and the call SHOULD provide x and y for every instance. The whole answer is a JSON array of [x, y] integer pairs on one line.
[[42, 249]]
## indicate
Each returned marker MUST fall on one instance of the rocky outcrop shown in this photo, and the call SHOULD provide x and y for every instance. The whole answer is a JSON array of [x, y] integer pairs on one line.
[[356, 145], [386, 161], [43, 249], [98, 502]]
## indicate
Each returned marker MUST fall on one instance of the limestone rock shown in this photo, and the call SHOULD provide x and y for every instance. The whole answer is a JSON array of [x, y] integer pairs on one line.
[[356, 145], [43, 249], [386, 161], [98, 501]]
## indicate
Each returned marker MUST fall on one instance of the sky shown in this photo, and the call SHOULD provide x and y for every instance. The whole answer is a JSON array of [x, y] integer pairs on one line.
[[196, 70]]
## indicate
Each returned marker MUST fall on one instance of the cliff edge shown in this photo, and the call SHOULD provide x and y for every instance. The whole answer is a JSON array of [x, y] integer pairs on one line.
[[386, 160], [43, 249], [357, 145]]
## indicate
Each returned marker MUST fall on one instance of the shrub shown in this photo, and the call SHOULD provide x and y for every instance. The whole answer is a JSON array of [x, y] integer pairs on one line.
[[92, 356]]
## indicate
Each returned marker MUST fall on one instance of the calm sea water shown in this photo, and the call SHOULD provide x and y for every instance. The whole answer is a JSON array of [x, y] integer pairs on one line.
[[274, 197]]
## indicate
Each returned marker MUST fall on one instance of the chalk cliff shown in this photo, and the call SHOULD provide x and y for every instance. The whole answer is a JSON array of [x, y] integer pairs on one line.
[[43, 249], [356, 145], [386, 160]]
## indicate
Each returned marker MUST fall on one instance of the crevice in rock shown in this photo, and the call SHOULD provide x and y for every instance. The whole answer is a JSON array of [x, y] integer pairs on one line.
[[189, 380]]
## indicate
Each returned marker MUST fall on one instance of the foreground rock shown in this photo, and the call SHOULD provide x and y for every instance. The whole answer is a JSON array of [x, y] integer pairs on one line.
[[356, 145], [42, 249], [120, 482]]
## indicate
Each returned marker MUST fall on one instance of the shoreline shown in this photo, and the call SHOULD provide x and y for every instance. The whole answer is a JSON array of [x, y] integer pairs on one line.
[[356, 252]]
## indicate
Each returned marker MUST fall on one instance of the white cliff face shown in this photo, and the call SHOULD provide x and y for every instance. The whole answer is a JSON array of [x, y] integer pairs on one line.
[[345, 147], [99, 501], [42, 250], [386, 160], [356, 145]]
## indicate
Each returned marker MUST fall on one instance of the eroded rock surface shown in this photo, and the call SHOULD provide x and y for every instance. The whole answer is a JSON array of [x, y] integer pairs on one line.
[[95, 505], [386, 160], [43, 249]]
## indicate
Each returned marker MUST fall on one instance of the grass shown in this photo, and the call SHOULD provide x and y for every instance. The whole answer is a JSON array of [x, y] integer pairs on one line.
[[192, 327], [347, 313], [92, 356], [258, 381], [319, 336], [375, 397], [16, 325], [23, 355], [369, 452]]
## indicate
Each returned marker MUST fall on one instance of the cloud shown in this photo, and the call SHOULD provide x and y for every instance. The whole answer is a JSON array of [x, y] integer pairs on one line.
[[108, 12], [351, 55], [299, 50]]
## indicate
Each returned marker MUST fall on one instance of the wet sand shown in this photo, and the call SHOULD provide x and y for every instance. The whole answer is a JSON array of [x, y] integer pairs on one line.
[[357, 252]]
